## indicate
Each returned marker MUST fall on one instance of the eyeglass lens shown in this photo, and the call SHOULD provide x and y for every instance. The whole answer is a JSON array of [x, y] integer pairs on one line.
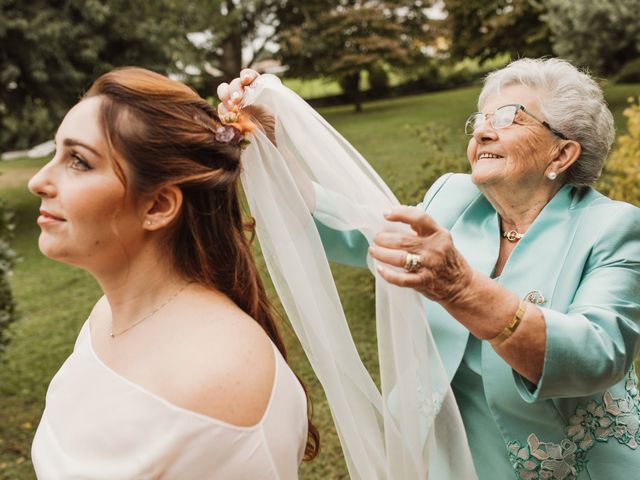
[[501, 118]]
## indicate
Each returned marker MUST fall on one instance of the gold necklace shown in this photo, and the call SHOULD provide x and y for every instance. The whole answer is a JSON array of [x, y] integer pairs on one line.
[[513, 235], [149, 315]]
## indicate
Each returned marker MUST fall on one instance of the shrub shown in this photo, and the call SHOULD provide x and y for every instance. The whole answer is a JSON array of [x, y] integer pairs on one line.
[[629, 73], [7, 260], [439, 158], [621, 179]]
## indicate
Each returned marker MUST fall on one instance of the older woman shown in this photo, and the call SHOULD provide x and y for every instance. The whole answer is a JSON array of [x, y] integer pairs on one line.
[[530, 278]]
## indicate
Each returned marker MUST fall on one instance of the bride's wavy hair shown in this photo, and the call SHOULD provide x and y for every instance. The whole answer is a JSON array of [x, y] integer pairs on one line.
[[166, 134]]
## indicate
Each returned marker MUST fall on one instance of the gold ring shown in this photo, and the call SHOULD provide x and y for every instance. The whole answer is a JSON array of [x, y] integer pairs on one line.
[[412, 263]]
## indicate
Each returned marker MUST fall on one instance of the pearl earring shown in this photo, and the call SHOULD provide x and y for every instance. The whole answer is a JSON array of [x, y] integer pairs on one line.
[[148, 222], [552, 176]]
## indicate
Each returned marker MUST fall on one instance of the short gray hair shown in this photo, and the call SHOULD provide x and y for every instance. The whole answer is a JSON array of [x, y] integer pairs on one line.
[[572, 102]]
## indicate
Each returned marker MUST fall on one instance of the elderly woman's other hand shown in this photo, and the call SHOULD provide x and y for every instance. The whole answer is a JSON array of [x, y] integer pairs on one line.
[[432, 265], [231, 94]]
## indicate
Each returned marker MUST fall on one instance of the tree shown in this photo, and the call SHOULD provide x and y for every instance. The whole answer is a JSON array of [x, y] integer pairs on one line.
[[486, 28], [53, 49], [340, 39], [229, 28], [600, 35]]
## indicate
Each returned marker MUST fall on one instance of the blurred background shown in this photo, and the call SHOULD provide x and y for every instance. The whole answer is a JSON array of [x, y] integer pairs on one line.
[[396, 78]]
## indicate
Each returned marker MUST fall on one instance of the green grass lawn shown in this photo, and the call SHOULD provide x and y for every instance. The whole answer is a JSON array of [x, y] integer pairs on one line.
[[54, 299]]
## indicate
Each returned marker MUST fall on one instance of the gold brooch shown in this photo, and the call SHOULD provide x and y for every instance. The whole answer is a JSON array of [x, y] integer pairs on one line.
[[535, 297]]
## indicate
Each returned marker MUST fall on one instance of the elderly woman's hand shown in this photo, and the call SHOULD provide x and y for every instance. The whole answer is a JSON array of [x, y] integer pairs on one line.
[[442, 274], [230, 94]]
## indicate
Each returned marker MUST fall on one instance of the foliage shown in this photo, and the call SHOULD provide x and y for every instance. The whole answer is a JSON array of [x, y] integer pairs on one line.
[[55, 299], [486, 28], [229, 28], [622, 172], [340, 39], [629, 73], [53, 49], [600, 35], [438, 160], [8, 313]]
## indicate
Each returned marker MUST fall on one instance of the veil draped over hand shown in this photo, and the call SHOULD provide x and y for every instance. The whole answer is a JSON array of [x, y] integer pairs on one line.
[[412, 428]]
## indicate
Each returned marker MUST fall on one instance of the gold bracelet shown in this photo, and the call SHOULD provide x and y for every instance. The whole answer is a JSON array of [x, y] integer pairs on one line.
[[512, 327]]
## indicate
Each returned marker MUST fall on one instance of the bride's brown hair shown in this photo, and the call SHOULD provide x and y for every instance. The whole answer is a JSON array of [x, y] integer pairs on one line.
[[166, 134]]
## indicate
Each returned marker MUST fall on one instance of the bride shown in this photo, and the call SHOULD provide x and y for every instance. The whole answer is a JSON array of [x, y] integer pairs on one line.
[[179, 372]]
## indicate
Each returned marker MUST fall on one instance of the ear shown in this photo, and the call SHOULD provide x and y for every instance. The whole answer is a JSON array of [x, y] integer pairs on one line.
[[162, 208], [565, 155]]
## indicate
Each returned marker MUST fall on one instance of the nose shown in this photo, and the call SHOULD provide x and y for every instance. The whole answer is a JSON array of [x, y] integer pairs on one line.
[[41, 184], [485, 132]]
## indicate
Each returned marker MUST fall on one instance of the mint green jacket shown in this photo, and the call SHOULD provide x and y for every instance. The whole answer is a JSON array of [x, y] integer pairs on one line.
[[582, 254]]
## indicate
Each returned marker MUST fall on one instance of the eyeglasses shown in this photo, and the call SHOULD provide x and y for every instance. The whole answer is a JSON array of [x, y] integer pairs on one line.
[[502, 118]]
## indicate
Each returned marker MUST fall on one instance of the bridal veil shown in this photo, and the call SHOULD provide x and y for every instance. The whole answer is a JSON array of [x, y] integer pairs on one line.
[[411, 428]]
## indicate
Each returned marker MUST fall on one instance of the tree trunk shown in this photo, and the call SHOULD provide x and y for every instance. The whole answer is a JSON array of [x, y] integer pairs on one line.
[[231, 60], [351, 87]]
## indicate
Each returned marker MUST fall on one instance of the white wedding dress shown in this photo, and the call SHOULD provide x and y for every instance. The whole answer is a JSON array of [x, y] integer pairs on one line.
[[97, 425]]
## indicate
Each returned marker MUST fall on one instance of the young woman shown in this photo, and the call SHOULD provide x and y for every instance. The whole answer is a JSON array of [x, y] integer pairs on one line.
[[179, 371]]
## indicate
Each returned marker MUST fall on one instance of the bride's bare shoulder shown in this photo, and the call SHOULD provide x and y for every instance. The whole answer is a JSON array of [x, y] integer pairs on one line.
[[223, 362]]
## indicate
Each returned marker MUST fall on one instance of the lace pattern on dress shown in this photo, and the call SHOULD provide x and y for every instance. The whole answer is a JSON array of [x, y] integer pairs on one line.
[[614, 417]]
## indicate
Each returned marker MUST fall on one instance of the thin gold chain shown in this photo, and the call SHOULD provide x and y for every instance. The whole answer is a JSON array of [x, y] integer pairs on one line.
[[149, 315]]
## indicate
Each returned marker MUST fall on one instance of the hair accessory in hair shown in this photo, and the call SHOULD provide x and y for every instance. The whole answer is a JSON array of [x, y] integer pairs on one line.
[[239, 125]]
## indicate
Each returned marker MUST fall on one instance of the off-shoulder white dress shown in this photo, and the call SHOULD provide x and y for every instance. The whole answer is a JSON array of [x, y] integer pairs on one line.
[[97, 425]]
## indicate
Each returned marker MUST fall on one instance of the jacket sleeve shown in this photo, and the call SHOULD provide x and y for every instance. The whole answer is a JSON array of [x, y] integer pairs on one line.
[[349, 247], [594, 344]]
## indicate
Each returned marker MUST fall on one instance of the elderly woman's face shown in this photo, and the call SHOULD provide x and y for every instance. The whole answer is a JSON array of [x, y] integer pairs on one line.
[[518, 154]]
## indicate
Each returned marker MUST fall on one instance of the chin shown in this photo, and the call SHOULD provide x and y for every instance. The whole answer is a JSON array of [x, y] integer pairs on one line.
[[52, 249], [482, 178], [487, 172]]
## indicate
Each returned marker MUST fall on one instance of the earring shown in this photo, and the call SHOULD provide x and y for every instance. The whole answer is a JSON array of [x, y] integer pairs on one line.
[[552, 176], [148, 222]]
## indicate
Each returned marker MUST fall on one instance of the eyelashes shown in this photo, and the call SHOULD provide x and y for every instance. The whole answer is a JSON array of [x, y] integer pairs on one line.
[[78, 163]]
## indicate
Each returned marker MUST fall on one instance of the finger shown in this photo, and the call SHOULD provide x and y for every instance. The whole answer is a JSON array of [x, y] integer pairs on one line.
[[236, 91], [396, 258], [247, 76], [223, 92], [401, 279], [419, 221], [223, 111], [399, 241]]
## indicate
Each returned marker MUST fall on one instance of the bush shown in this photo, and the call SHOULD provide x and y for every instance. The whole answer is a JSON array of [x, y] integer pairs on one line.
[[379, 82], [621, 179], [438, 160], [7, 260], [629, 73]]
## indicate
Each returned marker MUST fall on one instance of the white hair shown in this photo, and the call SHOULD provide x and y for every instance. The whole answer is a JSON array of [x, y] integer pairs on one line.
[[571, 102]]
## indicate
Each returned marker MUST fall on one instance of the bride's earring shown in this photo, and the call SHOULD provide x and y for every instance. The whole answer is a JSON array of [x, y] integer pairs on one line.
[[552, 176]]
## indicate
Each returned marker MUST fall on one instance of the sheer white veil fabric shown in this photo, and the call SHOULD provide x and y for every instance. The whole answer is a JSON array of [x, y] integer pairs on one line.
[[412, 429]]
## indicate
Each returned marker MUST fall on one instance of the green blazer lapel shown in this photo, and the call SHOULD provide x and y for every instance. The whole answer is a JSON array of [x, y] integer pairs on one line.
[[535, 264]]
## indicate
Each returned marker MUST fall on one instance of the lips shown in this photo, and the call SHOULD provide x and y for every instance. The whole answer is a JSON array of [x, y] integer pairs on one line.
[[52, 216], [47, 218]]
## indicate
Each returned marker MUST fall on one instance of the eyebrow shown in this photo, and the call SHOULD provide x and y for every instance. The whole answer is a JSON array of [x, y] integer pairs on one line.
[[72, 142]]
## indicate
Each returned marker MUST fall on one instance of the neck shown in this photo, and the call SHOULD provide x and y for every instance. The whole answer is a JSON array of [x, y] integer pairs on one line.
[[136, 288], [519, 206]]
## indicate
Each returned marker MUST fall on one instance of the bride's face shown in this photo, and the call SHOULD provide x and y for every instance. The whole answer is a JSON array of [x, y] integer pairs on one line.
[[85, 217]]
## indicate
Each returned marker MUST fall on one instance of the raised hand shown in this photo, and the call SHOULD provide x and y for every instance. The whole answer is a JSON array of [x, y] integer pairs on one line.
[[431, 263], [231, 94]]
